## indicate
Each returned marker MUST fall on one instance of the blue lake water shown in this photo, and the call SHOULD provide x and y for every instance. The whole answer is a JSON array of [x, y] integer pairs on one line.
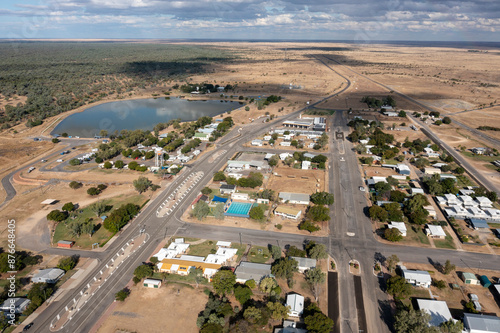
[[139, 114]]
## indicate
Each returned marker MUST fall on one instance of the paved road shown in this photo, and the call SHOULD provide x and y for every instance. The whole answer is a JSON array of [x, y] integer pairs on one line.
[[6, 181]]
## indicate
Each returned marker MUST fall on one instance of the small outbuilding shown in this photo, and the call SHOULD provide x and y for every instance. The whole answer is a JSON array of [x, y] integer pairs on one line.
[[470, 278], [65, 244], [485, 281], [152, 283]]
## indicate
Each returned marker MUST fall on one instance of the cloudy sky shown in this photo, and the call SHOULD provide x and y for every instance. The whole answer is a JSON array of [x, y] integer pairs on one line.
[[352, 20]]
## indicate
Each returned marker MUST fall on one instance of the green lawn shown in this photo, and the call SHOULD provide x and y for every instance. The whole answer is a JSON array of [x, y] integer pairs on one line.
[[480, 157], [241, 249], [258, 254], [100, 236], [417, 235], [202, 249], [446, 243]]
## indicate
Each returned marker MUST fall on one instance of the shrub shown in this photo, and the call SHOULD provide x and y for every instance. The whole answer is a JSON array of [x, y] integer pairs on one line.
[[75, 185], [93, 191], [309, 226]]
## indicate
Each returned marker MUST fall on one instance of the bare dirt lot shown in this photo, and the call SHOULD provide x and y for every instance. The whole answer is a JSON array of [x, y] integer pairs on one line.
[[297, 180], [175, 309]]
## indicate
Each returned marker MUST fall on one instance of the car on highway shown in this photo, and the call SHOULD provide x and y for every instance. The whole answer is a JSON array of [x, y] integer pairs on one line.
[[59, 160], [362, 188], [43, 161], [27, 327]]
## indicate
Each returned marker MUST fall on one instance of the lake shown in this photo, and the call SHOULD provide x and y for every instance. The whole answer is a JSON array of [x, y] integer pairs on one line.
[[139, 114]]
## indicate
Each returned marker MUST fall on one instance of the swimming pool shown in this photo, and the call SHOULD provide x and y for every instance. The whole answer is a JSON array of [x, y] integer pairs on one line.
[[239, 209]]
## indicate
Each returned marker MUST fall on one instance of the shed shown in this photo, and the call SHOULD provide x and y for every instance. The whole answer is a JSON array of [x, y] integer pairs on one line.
[[66, 244], [485, 281], [470, 278], [152, 283], [49, 201], [479, 224]]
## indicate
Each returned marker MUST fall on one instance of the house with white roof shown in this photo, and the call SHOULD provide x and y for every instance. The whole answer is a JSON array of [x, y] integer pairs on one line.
[[296, 304], [398, 225], [438, 311], [257, 142], [304, 264], [435, 231], [19, 304], [476, 213], [268, 156], [417, 278], [452, 199], [306, 165], [285, 143], [295, 198], [467, 201], [458, 212], [174, 249], [479, 323], [49, 275], [484, 202], [284, 156], [492, 214]]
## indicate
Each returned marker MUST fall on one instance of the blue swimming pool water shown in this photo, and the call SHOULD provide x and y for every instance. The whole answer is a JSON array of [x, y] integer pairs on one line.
[[239, 208]]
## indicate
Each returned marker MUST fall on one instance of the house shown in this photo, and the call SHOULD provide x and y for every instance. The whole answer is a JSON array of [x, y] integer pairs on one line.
[[304, 264], [268, 156], [65, 244], [184, 159], [257, 142], [183, 265], [430, 209], [416, 190], [221, 89], [432, 171], [227, 189], [309, 155], [49, 275], [251, 271], [479, 323], [478, 150], [467, 201], [432, 155], [439, 165], [294, 198], [435, 231], [287, 212], [447, 176], [284, 156], [451, 199], [289, 326], [391, 114], [403, 169], [173, 250], [19, 304], [296, 304], [263, 201], [398, 225], [285, 143], [306, 165], [417, 278], [202, 136], [470, 278], [438, 310], [152, 283], [484, 202], [267, 138], [239, 196]]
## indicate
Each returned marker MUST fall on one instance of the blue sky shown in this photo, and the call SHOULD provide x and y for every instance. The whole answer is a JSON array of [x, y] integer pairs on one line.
[[351, 20]]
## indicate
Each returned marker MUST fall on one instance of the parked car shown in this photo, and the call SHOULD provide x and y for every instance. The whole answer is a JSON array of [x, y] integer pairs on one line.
[[27, 327]]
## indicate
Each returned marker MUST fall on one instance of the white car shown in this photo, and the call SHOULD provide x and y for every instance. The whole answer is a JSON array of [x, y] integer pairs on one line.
[[362, 188], [59, 160]]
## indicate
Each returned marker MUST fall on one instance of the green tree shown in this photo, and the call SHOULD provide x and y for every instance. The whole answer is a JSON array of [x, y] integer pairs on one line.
[[273, 161], [201, 210], [242, 294], [122, 295], [223, 282], [398, 287], [392, 235], [252, 314], [410, 321], [68, 263], [318, 213], [315, 277], [197, 274], [74, 162], [219, 176], [391, 262], [98, 208], [256, 213], [316, 321], [57, 216], [268, 284], [55, 140], [275, 252], [75, 185], [322, 198], [218, 211], [143, 271], [206, 190], [68, 207], [142, 184], [448, 267], [278, 310], [452, 326], [93, 191], [119, 164], [317, 251], [447, 120], [378, 213], [284, 268], [107, 165]]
